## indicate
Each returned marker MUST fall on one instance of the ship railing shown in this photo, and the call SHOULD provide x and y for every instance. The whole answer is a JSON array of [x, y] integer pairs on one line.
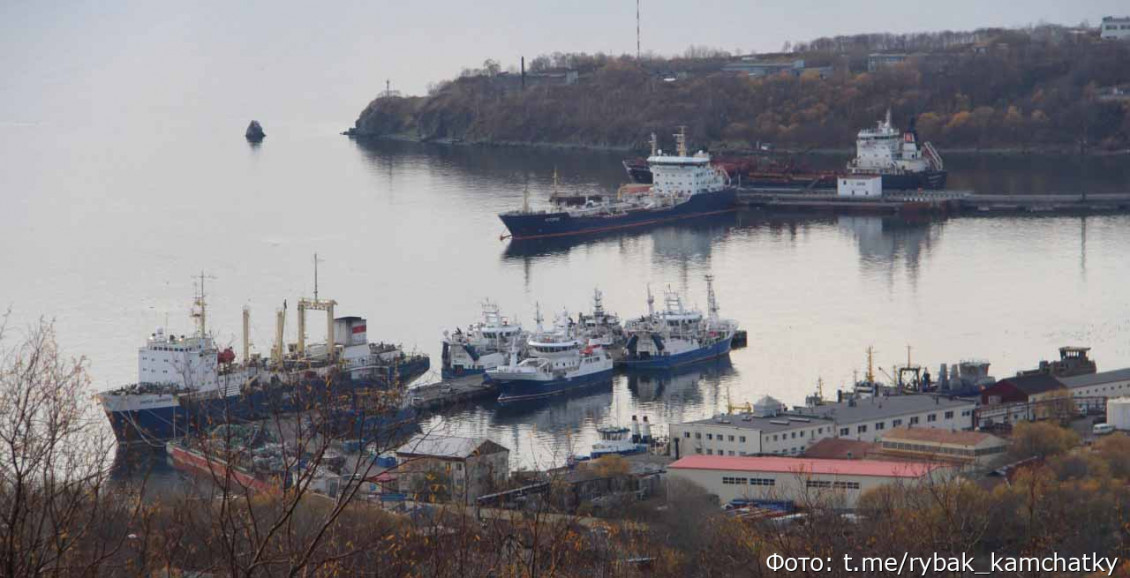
[[932, 156]]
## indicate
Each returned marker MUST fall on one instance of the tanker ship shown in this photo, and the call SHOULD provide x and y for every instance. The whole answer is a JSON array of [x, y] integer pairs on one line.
[[900, 158], [684, 186]]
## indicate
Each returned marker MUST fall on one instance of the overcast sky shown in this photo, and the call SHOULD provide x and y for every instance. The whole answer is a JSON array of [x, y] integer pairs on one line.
[[328, 59]]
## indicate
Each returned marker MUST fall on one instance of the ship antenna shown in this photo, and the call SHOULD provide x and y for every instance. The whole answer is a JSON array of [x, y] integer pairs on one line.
[[537, 315], [888, 116], [526, 198], [650, 302], [654, 144]]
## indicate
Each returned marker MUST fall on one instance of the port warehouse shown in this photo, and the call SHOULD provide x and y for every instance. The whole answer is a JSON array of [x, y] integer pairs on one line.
[[800, 481], [770, 429], [1028, 398]]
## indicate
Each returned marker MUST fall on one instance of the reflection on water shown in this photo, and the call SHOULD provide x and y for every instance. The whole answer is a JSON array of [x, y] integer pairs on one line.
[[549, 430], [409, 235]]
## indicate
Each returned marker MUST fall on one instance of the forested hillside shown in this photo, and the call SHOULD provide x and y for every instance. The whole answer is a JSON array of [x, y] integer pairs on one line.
[[1043, 88]]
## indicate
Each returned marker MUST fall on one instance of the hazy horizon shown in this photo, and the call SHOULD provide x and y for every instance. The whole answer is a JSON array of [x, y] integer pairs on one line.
[[285, 61]]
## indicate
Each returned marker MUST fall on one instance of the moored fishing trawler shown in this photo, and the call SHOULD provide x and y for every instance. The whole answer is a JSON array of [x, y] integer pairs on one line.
[[677, 335], [683, 186], [483, 346], [601, 328], [185, 382], [558, 363]]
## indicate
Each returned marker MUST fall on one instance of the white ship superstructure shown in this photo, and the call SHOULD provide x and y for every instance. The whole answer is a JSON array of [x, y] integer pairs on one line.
[[678, 334], [600, 328], [558, 362], [903, 162], [483, 346]]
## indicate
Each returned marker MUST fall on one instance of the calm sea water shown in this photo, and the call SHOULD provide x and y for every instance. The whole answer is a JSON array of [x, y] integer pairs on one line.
[[103, 231]]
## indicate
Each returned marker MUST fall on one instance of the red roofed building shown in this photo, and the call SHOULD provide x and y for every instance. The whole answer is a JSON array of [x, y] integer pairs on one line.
[[803, 481]]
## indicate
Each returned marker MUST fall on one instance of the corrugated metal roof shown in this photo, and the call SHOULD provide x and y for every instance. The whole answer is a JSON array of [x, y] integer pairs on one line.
[[443, 446], [1096, 378], [1032, 384], [783, 465], [940, 436]]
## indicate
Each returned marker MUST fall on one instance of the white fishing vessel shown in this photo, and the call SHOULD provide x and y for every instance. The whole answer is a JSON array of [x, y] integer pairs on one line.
[[558, 362], [677, 335], [484, 345], [600, 328]]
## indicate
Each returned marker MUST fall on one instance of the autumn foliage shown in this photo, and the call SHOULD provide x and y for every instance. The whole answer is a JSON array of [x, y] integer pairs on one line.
[[1048, 88]]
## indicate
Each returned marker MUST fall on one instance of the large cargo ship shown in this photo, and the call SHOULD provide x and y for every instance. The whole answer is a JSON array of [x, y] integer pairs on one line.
[[677, 335], [903, 162], [187, 382], [683, 186]]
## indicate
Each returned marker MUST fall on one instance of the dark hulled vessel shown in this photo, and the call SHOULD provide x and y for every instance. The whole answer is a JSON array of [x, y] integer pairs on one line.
[[684, 186]]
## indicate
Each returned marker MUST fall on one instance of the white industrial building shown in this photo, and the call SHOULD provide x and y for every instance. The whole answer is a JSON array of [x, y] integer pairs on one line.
[[1118, 413], [802, 481], [1090, 391], [866, 187], [770, 429], [1115, 28]]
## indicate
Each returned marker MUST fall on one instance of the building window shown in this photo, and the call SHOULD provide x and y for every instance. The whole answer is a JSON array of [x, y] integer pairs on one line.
[[880, 425], [742, 439], [931, 417], [843, 431], [817, 484], [914, 420], [949, 415], [896, 423], [709, 452], [686, 434], [698, 450], [861, 429], [794, 435], [774, 437], [709, 436], [762, 482], [731, 438], [697, 435]]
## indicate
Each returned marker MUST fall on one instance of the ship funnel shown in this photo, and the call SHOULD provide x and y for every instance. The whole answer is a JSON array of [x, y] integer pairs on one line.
[[635, 430], [645, 431]]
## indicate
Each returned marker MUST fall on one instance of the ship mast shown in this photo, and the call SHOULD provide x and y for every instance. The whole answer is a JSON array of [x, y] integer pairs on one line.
[[200, 312], [316, 304], [650, 302], [654, 144], [711, 300]]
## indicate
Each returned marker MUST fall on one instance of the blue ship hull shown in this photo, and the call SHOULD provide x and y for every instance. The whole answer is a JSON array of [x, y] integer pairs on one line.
[[516, 391], [158, 425], [666, 361], [561, 224], [451, 373]]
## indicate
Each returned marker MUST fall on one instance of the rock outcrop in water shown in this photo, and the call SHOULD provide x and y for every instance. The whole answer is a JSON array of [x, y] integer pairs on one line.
[[255, 132]]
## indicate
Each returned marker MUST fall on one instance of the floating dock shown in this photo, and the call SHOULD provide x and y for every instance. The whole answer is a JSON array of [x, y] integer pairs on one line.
[[934, 202], [451, 392]]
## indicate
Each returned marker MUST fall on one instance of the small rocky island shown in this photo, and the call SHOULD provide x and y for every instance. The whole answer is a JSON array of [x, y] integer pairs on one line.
[[255, 132]]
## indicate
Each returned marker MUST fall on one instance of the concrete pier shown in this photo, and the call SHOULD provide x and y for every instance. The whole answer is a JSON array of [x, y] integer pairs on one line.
[[450, 392], [936, 202]]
